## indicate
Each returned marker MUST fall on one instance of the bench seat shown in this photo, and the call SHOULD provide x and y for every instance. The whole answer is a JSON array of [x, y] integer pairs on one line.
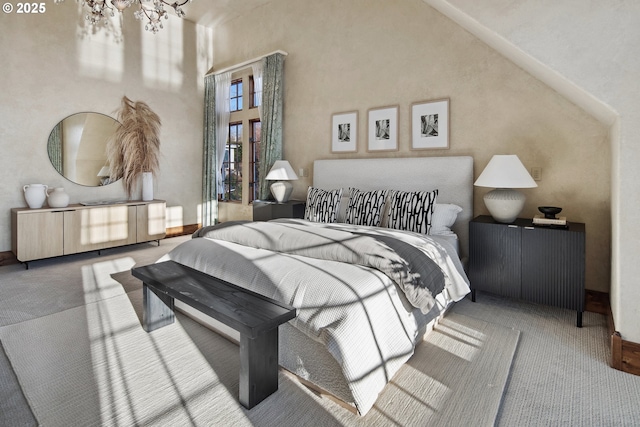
[[255, 316]]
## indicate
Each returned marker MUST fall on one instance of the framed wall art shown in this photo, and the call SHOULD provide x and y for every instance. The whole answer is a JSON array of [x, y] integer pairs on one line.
[[382, 129], [344, 132], [430, 125]]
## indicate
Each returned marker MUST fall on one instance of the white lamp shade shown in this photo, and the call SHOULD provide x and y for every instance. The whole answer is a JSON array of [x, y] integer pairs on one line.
[[105, 171], [505, 171], [281, 171]]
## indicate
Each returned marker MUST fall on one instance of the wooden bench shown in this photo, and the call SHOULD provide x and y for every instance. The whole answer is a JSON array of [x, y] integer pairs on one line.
[[255, 316]]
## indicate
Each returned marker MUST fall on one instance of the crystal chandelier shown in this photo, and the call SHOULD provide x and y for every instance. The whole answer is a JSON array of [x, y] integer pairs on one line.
[[153, 13]]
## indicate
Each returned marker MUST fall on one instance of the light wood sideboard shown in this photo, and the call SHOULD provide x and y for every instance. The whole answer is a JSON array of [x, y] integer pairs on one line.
[[50, 232]]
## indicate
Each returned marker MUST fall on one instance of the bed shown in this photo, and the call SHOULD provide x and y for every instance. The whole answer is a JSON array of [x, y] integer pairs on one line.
[[366, 294]]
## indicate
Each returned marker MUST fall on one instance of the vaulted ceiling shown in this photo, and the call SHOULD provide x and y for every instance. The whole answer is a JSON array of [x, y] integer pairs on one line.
[[211, 13]]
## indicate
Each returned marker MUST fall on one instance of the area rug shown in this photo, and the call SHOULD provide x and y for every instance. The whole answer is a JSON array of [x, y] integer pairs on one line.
[[14, 409], [94, 365]]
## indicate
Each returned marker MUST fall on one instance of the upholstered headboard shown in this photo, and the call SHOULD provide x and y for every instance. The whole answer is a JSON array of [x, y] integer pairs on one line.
[[451, 176]]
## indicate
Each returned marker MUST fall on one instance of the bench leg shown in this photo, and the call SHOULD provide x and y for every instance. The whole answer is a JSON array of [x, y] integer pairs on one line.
[[157, 309], [258, 367]]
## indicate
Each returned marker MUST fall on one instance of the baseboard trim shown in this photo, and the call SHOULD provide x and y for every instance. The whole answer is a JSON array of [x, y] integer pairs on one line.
[[182, 230], [8, 258], [625, 355]]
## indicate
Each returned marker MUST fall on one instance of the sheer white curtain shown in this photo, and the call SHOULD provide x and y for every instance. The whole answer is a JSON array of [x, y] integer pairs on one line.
[[223, 83], [257, 84]]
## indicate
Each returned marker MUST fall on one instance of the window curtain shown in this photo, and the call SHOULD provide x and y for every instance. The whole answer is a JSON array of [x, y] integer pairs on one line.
[[271, 117], [223, 85], [209, 186], [54, 147], [216, 129], [257, 85]]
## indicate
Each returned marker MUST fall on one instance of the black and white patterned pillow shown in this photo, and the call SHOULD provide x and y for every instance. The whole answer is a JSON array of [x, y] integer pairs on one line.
[[412, 210], [322, 205], [365, 207]]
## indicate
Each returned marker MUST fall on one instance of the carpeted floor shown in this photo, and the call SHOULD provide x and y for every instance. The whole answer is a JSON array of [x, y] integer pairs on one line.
[[561, 374], [14, 408], [71, 331], [73, 338]]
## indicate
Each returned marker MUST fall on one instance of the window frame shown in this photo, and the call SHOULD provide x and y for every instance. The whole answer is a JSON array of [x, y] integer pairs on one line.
[[239, 95], [247, 116], [226, 196], [254, 160]]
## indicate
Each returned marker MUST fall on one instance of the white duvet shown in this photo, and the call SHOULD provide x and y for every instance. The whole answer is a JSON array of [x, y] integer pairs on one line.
[[359, 313]]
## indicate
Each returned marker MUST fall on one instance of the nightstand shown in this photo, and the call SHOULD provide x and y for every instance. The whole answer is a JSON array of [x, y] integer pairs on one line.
[[264, 210], [537, 264]]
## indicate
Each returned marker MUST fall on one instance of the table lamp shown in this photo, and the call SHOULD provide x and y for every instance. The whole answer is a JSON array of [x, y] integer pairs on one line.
[[104, 175], [504, 173], [282, 173]]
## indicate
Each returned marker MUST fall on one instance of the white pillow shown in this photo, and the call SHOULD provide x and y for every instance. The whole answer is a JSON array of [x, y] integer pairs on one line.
[[444, 216]]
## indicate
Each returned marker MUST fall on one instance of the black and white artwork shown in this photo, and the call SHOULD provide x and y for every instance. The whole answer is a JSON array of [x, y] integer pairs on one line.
[[344, 132], [430, 125], [383, 129]]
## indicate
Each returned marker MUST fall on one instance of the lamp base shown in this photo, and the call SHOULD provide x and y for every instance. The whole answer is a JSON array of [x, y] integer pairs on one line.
[[281, 191], [504, 204]]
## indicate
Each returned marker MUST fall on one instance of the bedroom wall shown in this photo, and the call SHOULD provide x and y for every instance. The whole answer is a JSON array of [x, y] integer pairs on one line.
[[596, 64], [53, 67], [363, 54]]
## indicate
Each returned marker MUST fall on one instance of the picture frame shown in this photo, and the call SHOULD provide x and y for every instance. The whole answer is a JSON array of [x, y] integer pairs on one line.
[[382, 129], [430, 125], [344, 132]]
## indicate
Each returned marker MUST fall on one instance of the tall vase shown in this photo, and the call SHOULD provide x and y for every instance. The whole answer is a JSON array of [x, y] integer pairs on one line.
[[147, 186], [35, 195]]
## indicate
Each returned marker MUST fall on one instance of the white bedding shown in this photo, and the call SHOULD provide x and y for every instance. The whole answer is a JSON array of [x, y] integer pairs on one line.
[[357, 312]]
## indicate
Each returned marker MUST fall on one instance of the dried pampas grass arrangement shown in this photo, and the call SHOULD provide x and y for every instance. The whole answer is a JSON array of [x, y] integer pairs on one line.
[[135, 147]]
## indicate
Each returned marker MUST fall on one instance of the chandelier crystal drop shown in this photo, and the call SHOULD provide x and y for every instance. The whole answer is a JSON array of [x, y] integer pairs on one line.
[[150, 10]]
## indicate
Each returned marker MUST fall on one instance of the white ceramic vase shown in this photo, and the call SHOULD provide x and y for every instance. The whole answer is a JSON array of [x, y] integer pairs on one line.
[[147, 186], [35, 195], [57, 198]]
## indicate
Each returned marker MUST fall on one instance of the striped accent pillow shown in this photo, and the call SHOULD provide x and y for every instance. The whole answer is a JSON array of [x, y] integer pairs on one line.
[[322, 205], [412, 211], [365, 207]]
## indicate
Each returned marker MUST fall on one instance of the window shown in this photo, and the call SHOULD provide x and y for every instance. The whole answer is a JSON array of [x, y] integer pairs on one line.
[[233, 164], [242, 153], [254, 95], [254, 162], [235, 94]]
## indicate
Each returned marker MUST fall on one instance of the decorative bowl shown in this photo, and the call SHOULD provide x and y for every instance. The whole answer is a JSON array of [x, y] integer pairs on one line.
[[549, 211]]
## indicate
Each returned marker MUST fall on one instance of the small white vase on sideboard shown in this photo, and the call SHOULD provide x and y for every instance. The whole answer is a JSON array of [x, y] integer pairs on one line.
[[57, 198], [35, 195], [147, 186]]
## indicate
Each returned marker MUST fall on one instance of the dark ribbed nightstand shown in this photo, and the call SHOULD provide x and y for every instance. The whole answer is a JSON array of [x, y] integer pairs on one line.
[[538, 264], [264, 210]]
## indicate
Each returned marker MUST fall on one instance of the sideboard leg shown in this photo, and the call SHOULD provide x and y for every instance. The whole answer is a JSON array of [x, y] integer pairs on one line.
[[579, 320]]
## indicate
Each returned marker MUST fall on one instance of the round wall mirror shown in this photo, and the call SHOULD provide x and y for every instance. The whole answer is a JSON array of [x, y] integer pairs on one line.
[[77, 148]]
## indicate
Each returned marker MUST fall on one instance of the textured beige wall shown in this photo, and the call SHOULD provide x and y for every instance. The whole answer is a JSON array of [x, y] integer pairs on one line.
[[52, 67], [363, 54], [596, 66]]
